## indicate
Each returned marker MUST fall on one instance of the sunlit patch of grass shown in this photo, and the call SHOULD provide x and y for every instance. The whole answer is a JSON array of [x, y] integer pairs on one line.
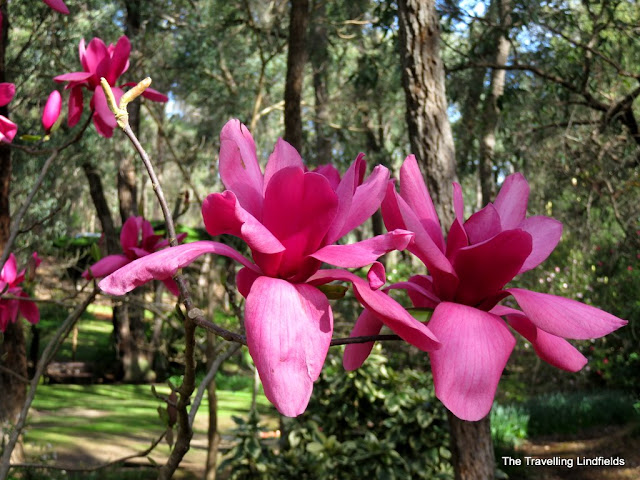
[[102, 411]]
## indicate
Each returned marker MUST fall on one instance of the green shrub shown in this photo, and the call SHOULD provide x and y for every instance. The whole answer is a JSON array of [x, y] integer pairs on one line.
[[509, 425], [572, 412]]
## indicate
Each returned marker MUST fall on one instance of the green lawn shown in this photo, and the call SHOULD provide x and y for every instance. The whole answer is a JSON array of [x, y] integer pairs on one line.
[[65, 411]]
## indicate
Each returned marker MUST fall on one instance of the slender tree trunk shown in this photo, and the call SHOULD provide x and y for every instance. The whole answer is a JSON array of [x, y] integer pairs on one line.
[[427, 120], [102, 208], [13, 354], [296, 59], [319, 56], [492, 103], [432, 142]]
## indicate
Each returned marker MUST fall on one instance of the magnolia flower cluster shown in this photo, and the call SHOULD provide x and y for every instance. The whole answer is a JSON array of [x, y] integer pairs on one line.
[[10, 283], [100, 61], [292, 220]]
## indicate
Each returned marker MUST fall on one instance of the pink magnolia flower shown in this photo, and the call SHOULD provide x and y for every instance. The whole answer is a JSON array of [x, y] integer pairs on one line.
[[57, 5], [10, 280], [467, 279], [99, 60], [51, 110], [137, 240], [291, 220], [8, 129]]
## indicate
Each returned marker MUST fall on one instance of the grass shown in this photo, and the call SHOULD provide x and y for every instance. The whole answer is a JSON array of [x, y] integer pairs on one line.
[[116, 410], [81, 420]]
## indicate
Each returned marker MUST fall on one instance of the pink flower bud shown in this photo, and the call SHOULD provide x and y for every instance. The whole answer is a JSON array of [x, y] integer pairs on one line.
[[57, 5], [51, 110]]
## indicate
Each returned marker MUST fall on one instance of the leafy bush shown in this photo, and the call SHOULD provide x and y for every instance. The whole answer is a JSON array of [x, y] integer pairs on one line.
[[509, 425], [375, 422]]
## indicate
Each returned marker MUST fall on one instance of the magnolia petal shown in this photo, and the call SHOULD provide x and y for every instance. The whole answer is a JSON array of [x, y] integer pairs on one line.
[[345, 191], [458, 202], [511, 202], [298, 209], [421, 296], [149, 93], [244, 280], [164, 264], [239, 168], [73, 77], [466, 370], [396, 211], [377, 276], [366, 200], [106, 266], [75, 106], [101, 106], [456, 240], [29, 310], [130, 233], [485, 268], [4, 312], [9, 270], [104, 129], [545, 233], [289, 330], [119, 59], [564, 317], [8, 129], [284, 155], [155, 96], [331, 173], [57, 5], [356, 353], [366, 252], [483, 225], [384, 307], [554, 350], [172, 286], [414, 191], [7, 91], [95, 56], [222, 213]]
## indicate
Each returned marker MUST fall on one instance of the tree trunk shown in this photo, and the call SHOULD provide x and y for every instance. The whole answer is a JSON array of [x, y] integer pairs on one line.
[[13, 354], [296, 59], [102, 208], [492, 105], [432, 143], [472, 448], [319, 56], [427, 120]]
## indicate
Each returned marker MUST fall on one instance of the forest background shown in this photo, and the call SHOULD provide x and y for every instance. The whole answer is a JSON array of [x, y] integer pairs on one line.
[[548, 89]]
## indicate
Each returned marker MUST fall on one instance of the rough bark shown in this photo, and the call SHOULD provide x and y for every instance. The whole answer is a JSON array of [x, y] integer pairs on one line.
[[319, 57], [423, 81], [472, 449], [492, 103], [13, 353], [296, 59], [432, 143]]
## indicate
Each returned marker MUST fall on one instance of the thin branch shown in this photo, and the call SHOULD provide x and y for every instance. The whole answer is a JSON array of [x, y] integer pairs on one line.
[[215, 366], [15, 226]]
